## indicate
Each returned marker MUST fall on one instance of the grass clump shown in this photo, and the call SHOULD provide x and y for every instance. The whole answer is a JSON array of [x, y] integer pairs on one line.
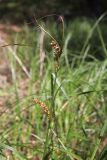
[[63, 115]]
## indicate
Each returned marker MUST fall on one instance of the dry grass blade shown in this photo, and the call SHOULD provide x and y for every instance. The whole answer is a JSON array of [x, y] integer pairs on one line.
[[17, 58], [42, 52], [16, 44]]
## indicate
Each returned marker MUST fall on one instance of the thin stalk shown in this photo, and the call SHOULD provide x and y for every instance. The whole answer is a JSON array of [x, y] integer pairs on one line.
[[49, 135], [46, 143], [98, 141], [53, 84]]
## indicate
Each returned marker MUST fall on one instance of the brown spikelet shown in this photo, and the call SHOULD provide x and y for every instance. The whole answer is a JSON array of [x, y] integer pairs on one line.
[[43, 106], [54, 44], [57, 52], [56, 48]]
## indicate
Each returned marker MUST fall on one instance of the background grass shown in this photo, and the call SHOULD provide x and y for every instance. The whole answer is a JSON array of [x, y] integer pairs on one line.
[[80, 104]]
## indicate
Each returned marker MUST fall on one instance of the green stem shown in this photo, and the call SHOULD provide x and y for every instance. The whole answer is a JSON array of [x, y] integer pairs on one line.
[[53, 84], [99, 140], [46, 142], [48, 148]]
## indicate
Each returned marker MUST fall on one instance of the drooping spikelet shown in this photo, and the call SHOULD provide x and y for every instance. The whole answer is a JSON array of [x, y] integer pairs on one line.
[[43, 106], [57, 52], [57, 49]]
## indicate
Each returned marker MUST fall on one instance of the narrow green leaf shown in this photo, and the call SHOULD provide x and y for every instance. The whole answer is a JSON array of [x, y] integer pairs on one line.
[[103, 154]]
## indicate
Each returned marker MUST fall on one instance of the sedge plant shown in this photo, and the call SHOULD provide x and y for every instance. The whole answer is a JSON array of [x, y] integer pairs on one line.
[[52, 129], [69, 129]]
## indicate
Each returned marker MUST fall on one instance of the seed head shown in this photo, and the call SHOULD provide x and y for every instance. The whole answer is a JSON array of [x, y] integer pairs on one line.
[[43, 106], [57, 52]]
